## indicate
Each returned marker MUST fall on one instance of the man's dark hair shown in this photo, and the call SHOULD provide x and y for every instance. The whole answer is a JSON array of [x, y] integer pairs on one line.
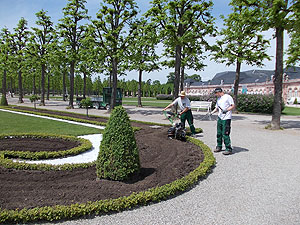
[[218, 89]]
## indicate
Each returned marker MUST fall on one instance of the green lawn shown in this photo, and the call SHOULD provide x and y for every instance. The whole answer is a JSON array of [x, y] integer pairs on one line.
[[146, 102], [291, 111], [15, 123]]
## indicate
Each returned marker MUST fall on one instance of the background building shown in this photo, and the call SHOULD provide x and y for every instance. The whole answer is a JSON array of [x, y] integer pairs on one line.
[[251, 82]]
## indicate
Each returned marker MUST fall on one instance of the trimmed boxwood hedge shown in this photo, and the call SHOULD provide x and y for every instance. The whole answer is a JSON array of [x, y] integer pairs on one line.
[[85, 145], [114, 205]]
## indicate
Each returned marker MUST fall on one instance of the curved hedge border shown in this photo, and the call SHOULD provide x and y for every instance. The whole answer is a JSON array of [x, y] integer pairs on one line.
[[85, 145], [114, 205]]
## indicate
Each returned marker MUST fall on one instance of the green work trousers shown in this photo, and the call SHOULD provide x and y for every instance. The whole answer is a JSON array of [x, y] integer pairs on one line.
[[189, 117], [223, 132]]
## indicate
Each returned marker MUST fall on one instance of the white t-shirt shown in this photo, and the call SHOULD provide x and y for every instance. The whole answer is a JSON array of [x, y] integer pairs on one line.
[[224, 102], [183, 103]]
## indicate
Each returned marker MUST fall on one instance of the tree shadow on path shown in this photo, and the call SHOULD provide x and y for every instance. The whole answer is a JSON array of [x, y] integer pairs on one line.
[[287, 124]]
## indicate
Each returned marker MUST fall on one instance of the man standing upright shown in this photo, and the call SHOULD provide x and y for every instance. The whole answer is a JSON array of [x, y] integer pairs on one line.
[[224, 106], [186, 112]]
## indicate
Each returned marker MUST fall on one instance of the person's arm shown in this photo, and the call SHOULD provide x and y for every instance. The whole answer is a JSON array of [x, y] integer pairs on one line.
[[183, 111], [169, 106], [215, 110]]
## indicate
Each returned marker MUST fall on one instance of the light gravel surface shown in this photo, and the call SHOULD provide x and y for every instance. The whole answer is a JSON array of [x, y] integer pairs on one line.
[[258, 184]]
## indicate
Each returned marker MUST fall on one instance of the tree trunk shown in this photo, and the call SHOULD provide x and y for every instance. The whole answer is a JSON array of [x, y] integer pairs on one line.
[[43, 85], [34, 88], [48, 88], [4, 101], [11, 87], [275, 123], [182, 78], [236, 82], [72, 68], [20, 87], [177, 71], [140, 89], [114, 84], [64, 86], [84, 84]]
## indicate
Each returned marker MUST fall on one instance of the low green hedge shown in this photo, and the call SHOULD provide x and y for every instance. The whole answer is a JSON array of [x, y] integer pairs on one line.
[[10, 164], [114, 205], [85, 145]]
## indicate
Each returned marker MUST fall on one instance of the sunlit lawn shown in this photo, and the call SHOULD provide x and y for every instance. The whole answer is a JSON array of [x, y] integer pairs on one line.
[[15, 123], [291, 111]]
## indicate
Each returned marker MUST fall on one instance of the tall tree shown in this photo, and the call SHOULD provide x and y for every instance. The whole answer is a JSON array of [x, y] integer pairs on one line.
[[5, 60], [20, 41], [294, 32], [88, 59], [72, 33], [278, 15], [40, 45], [113, 32], [241, 40], [182, 23], [142, 55]]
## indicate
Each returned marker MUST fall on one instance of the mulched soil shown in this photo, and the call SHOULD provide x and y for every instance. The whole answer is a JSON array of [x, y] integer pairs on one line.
[[162, 161], [36, 144]]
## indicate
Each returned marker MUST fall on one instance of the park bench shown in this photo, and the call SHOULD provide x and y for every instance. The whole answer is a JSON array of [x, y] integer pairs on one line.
[[201, 105]]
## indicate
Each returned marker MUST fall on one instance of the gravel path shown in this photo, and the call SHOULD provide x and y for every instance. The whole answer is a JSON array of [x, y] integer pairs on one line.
[[258, 184]]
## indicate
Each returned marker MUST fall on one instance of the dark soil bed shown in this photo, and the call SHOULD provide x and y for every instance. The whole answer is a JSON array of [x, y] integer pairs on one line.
[[162, 161], [36, 144]]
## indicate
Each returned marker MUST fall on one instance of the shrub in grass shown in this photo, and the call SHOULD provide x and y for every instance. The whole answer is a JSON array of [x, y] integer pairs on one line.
[[4, 101], [118, 156], [164, 97]]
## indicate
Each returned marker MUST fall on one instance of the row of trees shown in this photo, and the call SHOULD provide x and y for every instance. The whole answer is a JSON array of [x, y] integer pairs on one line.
[[120, 40]]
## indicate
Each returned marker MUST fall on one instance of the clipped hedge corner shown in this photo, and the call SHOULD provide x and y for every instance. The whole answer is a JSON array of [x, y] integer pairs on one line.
[[118, 156]]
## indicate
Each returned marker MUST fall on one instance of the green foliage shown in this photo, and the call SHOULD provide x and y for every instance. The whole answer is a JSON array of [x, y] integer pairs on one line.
[[118, 157], [164, 97], [34, 99], [256, 103], [26, 154], [3, 101], [296, 101], [246, 103], [86, 103], [114, 205]]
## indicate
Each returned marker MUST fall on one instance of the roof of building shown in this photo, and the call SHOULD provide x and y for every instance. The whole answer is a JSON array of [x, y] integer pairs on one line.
[[246, 77]]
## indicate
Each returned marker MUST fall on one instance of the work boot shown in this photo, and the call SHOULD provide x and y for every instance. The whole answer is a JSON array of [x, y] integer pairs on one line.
[[218, 149], [227, 152]]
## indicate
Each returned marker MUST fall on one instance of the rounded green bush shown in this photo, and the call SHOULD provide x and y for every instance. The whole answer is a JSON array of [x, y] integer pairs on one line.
[[118, 156]]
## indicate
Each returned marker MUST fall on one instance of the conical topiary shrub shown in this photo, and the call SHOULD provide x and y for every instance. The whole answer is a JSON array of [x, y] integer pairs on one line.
[[118, 157]]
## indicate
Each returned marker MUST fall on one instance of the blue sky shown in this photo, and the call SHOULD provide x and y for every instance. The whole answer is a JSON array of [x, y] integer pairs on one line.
[[12, 10]]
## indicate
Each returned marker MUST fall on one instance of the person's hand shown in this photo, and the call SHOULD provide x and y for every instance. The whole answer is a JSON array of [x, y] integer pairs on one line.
[[225, 111]]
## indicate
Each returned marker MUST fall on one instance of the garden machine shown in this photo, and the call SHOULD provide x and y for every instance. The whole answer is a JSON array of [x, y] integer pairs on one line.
[[177, 130]]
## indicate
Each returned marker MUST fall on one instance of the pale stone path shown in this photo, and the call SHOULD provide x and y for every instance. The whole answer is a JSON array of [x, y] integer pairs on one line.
[[258, 184]]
